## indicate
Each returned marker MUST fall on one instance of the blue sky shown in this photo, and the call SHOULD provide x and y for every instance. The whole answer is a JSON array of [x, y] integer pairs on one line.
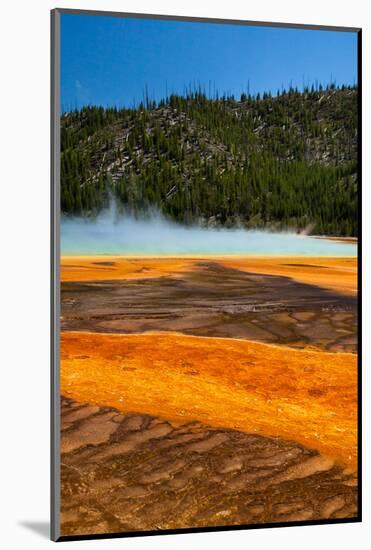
[[109, 61]]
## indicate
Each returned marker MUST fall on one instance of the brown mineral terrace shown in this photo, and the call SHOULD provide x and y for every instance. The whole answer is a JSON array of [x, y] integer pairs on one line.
[[306, 396], [334, 273], [208, 298], [125, 472]]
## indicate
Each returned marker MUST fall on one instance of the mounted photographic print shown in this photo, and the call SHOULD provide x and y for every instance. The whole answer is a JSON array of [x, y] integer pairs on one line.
[[205, 226]]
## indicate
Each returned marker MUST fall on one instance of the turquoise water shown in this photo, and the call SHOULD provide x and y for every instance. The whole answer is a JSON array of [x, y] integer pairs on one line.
[[127, 236]]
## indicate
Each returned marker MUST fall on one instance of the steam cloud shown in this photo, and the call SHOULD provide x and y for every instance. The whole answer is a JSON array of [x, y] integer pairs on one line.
[[114, 233]]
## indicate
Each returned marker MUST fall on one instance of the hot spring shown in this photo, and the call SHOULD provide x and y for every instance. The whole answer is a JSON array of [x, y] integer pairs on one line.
[[125, 235]]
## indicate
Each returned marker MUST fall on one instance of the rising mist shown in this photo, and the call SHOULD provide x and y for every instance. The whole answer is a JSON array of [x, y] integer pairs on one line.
[[113, 232]]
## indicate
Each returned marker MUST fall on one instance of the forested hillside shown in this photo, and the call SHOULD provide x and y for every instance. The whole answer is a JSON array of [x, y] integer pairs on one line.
[[288, 161]]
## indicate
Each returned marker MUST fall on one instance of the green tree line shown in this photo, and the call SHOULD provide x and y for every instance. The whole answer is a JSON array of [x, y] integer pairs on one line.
[[256, 161]]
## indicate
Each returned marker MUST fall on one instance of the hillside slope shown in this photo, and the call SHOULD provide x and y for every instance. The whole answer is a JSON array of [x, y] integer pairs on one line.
[[288, 161]]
